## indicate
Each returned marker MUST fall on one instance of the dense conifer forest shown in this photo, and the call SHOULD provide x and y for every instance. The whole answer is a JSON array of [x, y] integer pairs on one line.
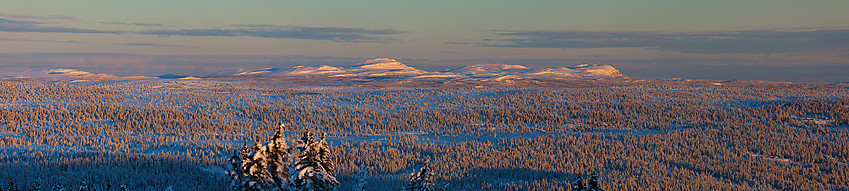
[[156, 134]]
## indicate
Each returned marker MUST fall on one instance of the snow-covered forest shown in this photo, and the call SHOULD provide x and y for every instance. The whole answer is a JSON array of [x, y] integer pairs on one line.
[[155, 134]]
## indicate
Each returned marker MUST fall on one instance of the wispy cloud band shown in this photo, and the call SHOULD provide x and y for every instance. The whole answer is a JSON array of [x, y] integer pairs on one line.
[[336, 34], [747, 42], [157, 45], [49, 17], [32, 40], [7, 25], [133, 24], [287, 32]]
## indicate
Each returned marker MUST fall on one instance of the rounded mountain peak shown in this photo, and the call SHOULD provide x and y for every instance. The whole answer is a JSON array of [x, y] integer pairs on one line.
[[383, 63]]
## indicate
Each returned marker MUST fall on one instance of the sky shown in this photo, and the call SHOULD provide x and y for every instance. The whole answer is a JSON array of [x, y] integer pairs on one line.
[[782, 40]]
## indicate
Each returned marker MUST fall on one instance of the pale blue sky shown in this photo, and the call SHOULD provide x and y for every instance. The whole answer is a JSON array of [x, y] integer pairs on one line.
[[641, 38]]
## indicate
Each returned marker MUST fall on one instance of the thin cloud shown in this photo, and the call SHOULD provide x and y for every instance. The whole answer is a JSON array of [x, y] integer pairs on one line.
[[7, 25], [133, 24], [336, 34], [31, 40], [49, 17], [747, 42], [157, 45]]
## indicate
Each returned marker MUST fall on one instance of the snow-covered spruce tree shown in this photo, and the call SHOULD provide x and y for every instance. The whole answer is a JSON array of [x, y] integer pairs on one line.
[[83, 186], [592, 183], [314, 169], [58, 187], [280, 157], [236, 174], [108, 185], [423, 180], [362, 177], [264, 166], [578, 184], [37, 185], [11, 185]]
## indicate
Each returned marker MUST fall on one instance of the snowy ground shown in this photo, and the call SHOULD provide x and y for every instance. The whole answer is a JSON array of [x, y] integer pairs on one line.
[[220, 98], [159, 93]]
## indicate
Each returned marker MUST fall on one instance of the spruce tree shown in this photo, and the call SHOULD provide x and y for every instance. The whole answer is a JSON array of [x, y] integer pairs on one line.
[[578, 184], [11, 185], [257, 168], [37, 185], [263, 166], [83, 186], [279, 158], [422, 180], [253, 168], [314, 168], [593, 183], [362, 179], [236, 174], [57, 187]]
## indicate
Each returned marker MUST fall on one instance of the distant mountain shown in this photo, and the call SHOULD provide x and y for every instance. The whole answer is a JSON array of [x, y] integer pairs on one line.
[[66, 74], [578, 71], [319, 70], [505, 71], [232, 72], [489, 70], [370, 68], [383, 67], [171, 76], [387, 67], [265, 71]]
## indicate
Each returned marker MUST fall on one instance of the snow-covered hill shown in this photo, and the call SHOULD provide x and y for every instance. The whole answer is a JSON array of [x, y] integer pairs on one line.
[[505, 71], [231, 72], [317, 70], [370, 68], [579, 71], [383, 67], [489, 70], [387, 67], [66, 74]]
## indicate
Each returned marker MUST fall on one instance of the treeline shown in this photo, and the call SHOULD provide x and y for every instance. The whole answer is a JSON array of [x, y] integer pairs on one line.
[[148, 110], [101, 170]]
